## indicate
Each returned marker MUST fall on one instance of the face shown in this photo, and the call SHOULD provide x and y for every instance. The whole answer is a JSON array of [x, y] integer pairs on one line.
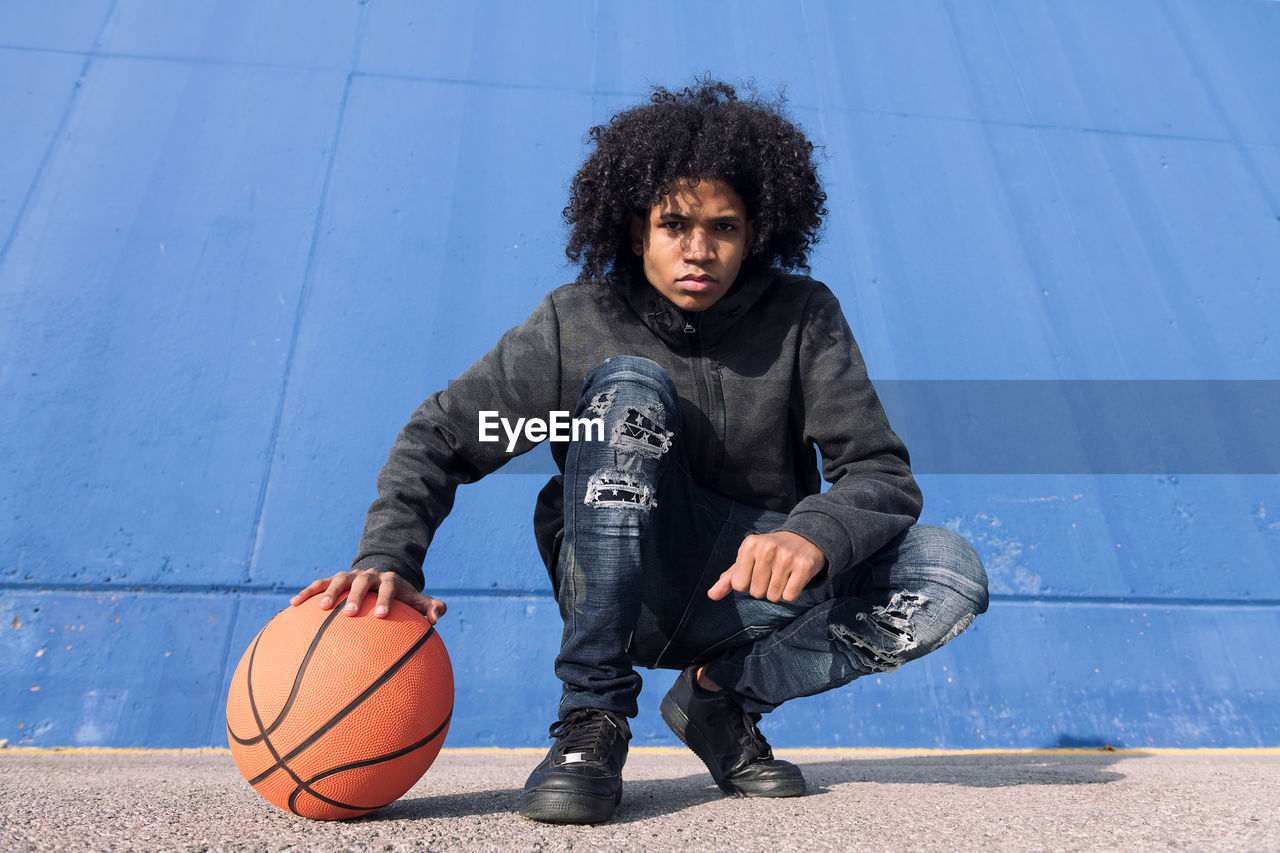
[[693, 242]]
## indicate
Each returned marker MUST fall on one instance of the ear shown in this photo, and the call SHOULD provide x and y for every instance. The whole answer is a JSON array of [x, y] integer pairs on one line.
[[751, 235], [637, 234]]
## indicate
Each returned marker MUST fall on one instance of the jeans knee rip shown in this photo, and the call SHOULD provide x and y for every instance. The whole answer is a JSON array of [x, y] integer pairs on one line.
[[642, 432], [614, 487], [601, 403], [958, 629], [886, 645]]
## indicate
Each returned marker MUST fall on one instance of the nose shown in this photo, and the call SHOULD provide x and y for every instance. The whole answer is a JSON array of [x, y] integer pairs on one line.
[[698, 245]]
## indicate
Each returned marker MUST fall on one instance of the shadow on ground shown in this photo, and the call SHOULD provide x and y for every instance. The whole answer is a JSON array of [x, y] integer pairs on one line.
[[647, 798], [996, 770]]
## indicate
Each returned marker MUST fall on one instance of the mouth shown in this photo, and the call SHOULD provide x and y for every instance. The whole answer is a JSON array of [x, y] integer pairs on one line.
[[696, 282]]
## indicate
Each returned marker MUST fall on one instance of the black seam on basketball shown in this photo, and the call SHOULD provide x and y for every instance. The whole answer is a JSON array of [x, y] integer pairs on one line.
[[248, 669], [297, 681], [293, 798], [354, 765], [338, 717], [302, 667], [257, 718]]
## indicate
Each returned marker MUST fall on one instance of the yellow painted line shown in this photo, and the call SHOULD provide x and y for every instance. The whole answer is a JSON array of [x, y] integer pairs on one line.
[[1144, 750], [107, 750], [851, 752]]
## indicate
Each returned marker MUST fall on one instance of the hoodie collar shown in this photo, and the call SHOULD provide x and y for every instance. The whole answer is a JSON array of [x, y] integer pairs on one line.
[[668, 322]]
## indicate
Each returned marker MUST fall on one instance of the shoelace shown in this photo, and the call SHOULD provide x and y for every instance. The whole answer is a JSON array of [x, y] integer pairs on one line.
[[588, 731], [749, 736]]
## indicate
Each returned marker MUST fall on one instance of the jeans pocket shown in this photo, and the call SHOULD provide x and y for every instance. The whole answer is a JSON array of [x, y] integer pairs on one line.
[[744, 637]]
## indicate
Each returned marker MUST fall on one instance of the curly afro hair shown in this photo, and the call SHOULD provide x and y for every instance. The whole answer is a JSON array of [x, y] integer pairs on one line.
[[705, 132]]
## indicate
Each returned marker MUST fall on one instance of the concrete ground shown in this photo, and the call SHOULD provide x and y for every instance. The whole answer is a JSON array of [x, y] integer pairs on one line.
[[858, 800]]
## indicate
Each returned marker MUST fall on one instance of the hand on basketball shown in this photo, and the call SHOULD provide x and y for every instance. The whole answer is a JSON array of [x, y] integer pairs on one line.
[[776, 566], [386, 585]]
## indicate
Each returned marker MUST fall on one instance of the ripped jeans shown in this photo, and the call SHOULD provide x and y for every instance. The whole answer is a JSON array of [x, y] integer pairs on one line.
[[643, 543]]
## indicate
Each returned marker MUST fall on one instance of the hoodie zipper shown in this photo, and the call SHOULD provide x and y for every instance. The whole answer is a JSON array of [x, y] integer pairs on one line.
[[707, 401]]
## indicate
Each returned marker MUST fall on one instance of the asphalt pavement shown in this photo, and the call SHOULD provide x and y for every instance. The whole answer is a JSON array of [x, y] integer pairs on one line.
[[857, 800]]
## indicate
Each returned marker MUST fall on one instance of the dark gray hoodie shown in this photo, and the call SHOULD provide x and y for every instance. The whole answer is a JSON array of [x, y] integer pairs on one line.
[[764, 375]]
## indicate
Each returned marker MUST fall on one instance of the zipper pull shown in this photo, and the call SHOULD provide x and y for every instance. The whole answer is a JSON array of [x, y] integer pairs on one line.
[[689, 328]]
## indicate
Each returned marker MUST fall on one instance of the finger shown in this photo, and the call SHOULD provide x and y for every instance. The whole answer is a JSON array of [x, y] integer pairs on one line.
[[308, 591], [386, 593], [761, 576], [751, 558], [740, 572], [795, 585], [337, 586], [359, 586], [722, 586], [434, 610], [766, 557], [744, 568], [429, 607], [779, 580]]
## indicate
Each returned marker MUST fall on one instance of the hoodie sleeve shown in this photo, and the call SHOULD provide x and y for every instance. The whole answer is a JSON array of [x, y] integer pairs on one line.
[[873, 496], [440, 448]]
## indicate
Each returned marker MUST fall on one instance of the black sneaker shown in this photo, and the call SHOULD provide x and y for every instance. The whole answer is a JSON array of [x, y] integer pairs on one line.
[[580, 780], [725, 737]]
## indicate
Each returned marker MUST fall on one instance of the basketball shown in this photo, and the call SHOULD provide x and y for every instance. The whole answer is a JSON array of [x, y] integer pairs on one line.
[[332, 716]]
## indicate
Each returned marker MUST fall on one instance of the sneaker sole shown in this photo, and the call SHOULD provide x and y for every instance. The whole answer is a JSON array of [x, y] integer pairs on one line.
[[678, 721], [567, 807]]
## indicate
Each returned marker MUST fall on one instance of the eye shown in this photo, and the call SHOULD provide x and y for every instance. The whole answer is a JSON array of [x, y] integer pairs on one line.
[[726, 226], [672, 225]]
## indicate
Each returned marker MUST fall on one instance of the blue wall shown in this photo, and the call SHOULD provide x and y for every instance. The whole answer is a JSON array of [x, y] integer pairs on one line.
[[240, 241]]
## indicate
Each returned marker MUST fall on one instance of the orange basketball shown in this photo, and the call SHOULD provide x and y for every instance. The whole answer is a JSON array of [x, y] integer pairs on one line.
[[332, 716]]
